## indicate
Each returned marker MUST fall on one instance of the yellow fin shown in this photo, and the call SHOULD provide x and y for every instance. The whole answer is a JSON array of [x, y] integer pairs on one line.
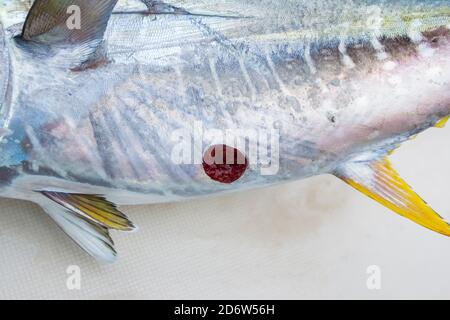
[[441, 123], [93, 207], [381, 182]]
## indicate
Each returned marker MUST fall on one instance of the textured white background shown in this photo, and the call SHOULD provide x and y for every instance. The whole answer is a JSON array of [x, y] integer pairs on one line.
[[308, 239]]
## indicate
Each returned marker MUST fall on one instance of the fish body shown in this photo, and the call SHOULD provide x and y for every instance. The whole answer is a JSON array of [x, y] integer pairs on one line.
[[123, 113]]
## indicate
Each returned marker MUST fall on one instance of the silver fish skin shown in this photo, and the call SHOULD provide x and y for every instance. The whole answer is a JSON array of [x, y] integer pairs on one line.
[[341, 83]]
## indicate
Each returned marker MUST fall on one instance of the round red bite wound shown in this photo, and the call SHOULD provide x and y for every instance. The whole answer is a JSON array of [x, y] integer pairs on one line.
[[222, 169]]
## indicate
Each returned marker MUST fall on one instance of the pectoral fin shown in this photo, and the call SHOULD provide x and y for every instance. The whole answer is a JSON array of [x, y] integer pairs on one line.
[[70, 30], [87, 219], [90, 236], [74, 21], [93, 207], [381, 182]]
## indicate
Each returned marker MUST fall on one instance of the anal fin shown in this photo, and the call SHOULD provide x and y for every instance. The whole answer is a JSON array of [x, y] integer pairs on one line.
[[381, 182]]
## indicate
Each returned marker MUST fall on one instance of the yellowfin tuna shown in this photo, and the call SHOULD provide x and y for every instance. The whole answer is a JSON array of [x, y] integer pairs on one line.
[[107, 103]]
